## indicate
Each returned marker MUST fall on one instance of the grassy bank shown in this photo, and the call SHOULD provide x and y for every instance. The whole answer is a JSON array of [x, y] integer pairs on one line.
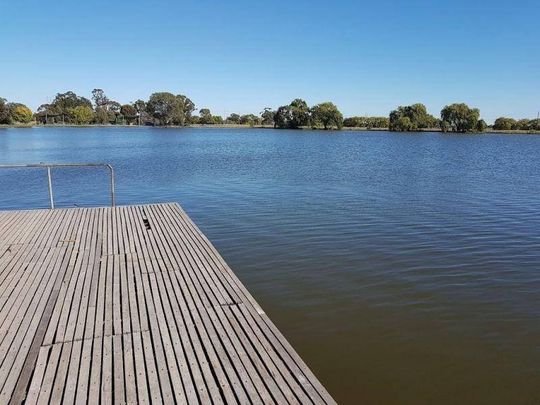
[[245, 126], [29, 125]]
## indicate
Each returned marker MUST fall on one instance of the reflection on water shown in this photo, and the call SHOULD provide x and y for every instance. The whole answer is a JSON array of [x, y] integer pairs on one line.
[[404, 268]]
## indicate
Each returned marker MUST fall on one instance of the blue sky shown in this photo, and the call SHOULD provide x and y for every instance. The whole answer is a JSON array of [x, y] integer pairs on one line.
[[241, 56]]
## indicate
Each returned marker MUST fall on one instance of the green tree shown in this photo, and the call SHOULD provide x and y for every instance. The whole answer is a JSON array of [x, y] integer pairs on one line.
[[534, 125], [293, 116], [523, 124], [114, 106], [267, 116], [162, 107], [20, 113], [107, 110], [377, 122], [459, 118], [185, 111], [129, 113], [4, 112], [205, 117], [419, 116], [300, 113], [404, 123], [217, 119], [505, 124], [283, 117], [399, 121], [433, 122], [43, 114], [168, 109], [127, 110], [113, 109], [233, 119], [366, 122], [142, 115], [140, 106], [411, 118], [101, 116], [81, 115], [481, 126], [250, 119], [327, 115], [100, 99], [61, 105], [352, 122]]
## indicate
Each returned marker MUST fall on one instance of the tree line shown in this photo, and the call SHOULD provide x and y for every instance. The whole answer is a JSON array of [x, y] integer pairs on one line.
[[166, 109], [511, 124], [11, 113], [458, 117], [454, 118]]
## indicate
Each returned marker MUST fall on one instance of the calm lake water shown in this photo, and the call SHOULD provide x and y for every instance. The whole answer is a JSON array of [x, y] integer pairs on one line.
[[404, 268]]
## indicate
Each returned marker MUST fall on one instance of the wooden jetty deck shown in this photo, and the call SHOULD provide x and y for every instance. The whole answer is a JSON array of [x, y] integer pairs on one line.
[[133, 305]]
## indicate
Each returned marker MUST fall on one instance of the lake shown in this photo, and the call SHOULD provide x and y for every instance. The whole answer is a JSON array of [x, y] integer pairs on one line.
[[404, 268]]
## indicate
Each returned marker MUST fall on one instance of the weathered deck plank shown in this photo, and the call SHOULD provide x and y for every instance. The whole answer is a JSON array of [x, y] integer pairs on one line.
[[133, 305]]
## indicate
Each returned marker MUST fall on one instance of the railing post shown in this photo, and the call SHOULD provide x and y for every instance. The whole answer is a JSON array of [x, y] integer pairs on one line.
[[112, 185], [50, 187]]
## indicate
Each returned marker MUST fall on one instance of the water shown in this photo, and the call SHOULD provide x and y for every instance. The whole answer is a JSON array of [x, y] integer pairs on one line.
[[404, 268]]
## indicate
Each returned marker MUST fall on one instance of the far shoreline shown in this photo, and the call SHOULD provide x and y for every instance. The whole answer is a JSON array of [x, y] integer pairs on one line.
[[242, 126]]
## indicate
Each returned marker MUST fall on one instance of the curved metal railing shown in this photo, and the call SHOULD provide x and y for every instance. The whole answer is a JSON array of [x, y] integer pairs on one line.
[[49, 166]]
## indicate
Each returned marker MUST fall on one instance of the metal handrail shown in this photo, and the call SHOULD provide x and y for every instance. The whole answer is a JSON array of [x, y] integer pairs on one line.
[[49, 166]]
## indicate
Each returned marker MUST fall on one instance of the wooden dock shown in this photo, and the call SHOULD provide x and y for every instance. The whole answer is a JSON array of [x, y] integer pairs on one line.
[[133, 305]]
